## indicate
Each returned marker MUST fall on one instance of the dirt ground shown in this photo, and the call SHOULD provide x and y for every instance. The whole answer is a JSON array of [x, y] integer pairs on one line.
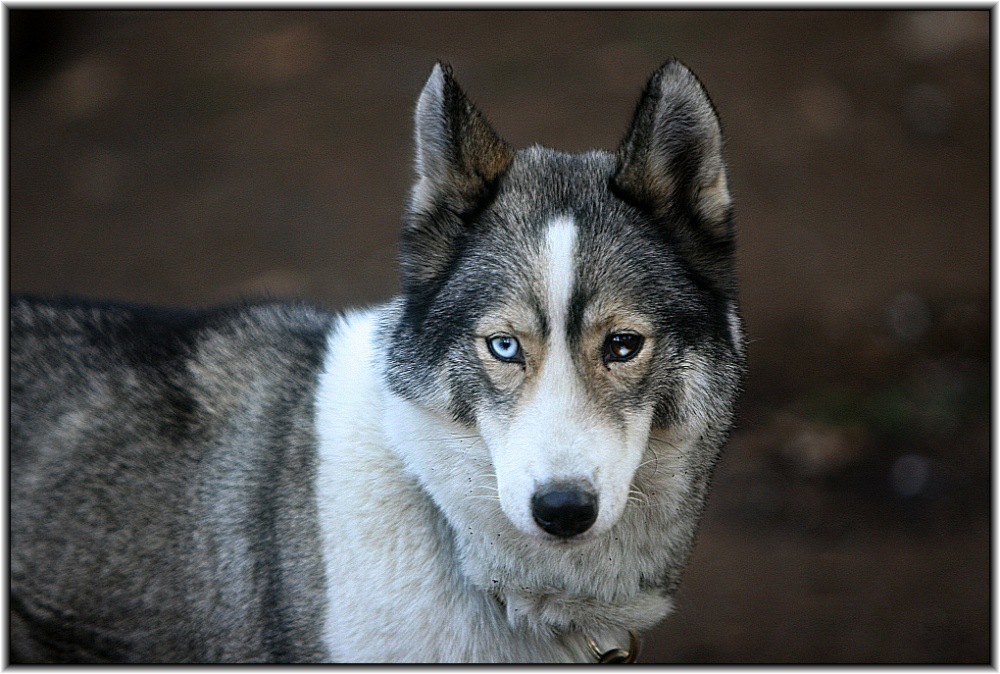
[[191, 157]]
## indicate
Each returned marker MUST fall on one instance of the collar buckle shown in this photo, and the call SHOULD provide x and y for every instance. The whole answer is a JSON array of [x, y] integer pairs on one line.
[[616, 656]]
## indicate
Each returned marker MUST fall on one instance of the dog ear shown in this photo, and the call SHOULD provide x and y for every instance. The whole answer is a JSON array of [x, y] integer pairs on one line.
[[459, 158], [459, 155], [671, 162]]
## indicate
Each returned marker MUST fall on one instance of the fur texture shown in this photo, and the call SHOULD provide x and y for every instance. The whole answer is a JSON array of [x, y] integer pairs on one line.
[[274, 483]]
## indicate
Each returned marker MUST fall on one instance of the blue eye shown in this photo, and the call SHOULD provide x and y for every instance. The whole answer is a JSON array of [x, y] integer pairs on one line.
[[505, 348]]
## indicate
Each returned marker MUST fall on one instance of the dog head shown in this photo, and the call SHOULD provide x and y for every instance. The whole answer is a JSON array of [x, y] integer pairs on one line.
[[566, 308]]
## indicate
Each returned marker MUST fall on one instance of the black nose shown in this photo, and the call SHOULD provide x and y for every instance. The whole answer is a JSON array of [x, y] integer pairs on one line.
[[564, 509]]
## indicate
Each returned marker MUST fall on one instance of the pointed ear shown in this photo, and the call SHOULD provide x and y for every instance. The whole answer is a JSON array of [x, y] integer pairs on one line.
[[671, 160], [459, 156], [459, 161]]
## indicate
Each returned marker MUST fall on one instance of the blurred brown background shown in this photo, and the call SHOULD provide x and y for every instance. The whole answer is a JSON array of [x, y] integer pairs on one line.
[[191, 157]]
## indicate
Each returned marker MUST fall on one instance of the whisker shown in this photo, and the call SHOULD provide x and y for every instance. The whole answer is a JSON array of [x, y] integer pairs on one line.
[[656, 465], [647, 462], [639, 498], [482, 497], [445, 438], [658, 443], [668, 443]]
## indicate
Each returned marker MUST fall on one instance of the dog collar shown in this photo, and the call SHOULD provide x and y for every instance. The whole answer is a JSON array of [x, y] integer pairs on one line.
[[616, 656]]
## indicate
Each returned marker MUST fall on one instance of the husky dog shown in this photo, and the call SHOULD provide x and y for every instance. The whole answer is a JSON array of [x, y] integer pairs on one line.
[[506, 463]]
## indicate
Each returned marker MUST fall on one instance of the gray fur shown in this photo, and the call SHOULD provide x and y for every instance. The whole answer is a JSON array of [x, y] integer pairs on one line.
[[164, 464], [161, 506]]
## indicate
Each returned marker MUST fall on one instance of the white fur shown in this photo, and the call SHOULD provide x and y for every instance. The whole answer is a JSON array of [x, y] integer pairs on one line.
[[522, 465], [557, 435], [735, 327], [421, 563], [560, 251], [430, 551], [396, 592]]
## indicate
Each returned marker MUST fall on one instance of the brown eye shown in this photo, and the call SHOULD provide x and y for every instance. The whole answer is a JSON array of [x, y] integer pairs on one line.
[[622, 346]]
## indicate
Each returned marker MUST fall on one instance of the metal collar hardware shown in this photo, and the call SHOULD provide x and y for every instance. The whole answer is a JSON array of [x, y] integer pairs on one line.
[[616, 656]]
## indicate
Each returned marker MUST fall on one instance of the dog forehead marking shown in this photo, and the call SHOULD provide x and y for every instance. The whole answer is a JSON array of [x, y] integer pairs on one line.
[[560, 250], [557, 389]]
